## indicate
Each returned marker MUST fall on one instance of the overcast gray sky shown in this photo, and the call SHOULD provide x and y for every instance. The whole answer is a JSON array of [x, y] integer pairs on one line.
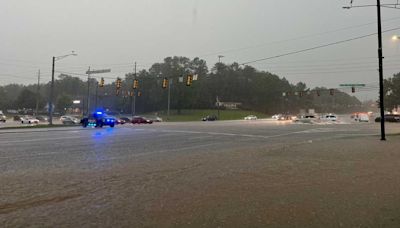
[[115, 33]]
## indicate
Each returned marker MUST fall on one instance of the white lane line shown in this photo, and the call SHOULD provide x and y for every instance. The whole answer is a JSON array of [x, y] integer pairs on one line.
[[317, 130]]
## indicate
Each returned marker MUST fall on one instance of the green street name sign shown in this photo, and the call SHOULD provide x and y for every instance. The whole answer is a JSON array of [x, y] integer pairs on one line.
[[351, 85]]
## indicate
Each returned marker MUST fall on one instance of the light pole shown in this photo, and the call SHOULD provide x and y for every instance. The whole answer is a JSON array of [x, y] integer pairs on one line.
[[396, 38], [52, 85]]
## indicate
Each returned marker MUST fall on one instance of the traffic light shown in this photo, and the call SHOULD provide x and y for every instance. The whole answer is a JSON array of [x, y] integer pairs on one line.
[[165, 83], [318, 93], [101, 84], [131, 94], [353, 89], [135, 84], [139, 94], [332, 92], [118, 83], [189, 80]]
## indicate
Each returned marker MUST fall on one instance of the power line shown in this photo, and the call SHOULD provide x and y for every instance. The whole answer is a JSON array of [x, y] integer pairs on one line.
[[296, 38], [317, 47]]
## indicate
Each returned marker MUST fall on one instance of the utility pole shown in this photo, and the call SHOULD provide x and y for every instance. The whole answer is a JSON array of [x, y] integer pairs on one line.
[[97, 92], [88, 92], [380, 56], [134, 96], [37, 94], [51, 93]]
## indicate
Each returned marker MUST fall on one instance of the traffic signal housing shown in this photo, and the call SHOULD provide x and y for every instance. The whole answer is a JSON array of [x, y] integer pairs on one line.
[[101, 84], [332, 92], [118, 83], [189, 80], [135, 84], [353, 89], [165, 83]]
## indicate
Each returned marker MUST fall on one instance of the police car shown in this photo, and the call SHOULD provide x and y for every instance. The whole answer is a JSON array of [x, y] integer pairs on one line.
[[98, 119]]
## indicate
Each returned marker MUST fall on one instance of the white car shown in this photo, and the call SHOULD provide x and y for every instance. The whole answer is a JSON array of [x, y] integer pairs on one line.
[[251, 117], [29, 120], [63, 118], [70, 120], [276, 116], [330, 117]]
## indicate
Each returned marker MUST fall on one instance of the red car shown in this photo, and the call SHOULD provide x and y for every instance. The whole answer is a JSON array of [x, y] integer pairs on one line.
[[141, 120]]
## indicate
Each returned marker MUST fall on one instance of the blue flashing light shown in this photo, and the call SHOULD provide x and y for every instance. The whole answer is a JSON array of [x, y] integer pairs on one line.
[[99, 113]]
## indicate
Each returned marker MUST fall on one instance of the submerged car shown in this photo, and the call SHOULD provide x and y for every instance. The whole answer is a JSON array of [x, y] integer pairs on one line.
[[126, 119], [330, 117], [389, 118]]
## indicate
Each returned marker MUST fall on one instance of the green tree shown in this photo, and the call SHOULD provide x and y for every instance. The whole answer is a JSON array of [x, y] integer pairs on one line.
[[26, 99], [64, 101], [392, 92]]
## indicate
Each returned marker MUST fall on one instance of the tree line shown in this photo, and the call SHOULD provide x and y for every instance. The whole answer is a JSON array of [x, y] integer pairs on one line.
[[256, 90]]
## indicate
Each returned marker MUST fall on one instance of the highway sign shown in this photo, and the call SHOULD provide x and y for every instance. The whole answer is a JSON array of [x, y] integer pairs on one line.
[[98, 71]]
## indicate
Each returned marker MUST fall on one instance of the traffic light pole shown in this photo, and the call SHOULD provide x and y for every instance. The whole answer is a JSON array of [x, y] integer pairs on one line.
[[169, 96], [134, 96], [380, 56], [97, 92], [51, 93], [37, 94], [88, 93]]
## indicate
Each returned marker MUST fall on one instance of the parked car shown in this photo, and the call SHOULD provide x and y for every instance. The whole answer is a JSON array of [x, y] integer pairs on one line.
[[29, 120], [62, 118], [42, 118], [141, 120], [2, 117], [250, 117], [70, 120], [389, 118], [209, 118]]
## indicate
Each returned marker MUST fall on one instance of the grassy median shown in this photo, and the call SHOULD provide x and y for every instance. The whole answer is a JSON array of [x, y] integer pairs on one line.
[[196, 115]]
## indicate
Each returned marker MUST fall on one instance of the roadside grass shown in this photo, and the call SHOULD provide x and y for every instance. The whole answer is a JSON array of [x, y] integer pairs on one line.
[[197, 114]]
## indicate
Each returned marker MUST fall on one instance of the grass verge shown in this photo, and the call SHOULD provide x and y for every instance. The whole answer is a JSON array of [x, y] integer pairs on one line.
[[196, 115]]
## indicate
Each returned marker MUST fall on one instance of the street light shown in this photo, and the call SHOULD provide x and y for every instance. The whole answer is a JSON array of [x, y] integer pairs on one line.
[[52, 85], [395, 37]]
